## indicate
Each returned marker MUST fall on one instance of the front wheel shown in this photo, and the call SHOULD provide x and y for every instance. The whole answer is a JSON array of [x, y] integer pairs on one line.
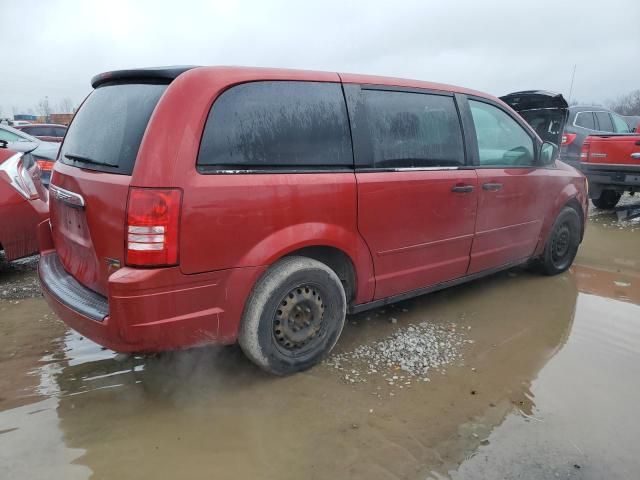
[[607, 200], [294, 316], [562, 244]]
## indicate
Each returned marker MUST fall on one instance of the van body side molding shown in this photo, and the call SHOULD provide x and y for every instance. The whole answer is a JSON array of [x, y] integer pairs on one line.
[[433, 288]]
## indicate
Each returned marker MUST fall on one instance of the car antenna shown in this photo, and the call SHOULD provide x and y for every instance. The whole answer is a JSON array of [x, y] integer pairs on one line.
[[573, 76]]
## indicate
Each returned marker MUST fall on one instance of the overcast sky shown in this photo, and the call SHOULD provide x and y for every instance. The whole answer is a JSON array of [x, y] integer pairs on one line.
[[53, 48]]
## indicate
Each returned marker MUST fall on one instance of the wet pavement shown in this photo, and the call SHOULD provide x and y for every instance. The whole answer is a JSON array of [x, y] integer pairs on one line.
[[541, 381]]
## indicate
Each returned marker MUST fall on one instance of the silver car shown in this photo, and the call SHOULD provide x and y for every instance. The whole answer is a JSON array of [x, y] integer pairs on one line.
[[45, 153]]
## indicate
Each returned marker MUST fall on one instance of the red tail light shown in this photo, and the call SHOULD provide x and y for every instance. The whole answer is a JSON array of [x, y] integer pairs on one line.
[[153, 216], [584, 152], [568, 138], [45, 165], [21, 171]]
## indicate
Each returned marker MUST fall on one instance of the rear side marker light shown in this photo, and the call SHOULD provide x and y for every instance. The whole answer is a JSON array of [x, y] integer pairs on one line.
[[153, 216], [584, 152]]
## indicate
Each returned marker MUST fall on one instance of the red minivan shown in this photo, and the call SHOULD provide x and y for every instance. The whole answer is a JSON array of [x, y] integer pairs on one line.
[[200, 205]]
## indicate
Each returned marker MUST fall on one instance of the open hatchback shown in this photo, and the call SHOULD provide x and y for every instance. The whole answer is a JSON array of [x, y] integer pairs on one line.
[[545, 111]]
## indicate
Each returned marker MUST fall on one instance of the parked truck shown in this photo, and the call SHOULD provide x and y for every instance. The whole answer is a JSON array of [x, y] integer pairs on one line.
[[611, 162]]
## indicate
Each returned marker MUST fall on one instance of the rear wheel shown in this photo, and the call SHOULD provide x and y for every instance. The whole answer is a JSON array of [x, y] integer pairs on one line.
[[294, 316], [562, 244], [607, 200]]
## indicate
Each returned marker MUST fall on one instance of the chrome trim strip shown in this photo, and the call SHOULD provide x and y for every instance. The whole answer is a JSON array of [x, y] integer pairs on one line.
[[380, 169], [65, 196], [422, 169]]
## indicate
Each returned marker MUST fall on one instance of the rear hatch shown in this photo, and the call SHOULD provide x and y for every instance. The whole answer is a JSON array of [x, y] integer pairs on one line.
[[90, 182], [545, 111]]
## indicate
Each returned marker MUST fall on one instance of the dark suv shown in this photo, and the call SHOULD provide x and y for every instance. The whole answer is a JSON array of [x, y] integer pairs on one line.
[[584, 121]]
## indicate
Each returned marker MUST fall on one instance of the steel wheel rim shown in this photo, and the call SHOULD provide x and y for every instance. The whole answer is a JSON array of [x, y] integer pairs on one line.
[[561, 244], [299, 321]]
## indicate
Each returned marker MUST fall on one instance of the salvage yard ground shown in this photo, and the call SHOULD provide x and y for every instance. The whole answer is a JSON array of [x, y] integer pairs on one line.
[[512, 376]]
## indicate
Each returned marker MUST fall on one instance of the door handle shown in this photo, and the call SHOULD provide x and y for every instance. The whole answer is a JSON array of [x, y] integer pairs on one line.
[[462, 188], [492, 187], [635, 156]]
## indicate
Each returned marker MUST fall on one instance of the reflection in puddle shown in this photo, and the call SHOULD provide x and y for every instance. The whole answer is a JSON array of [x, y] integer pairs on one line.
[[212, 410], [32, 444], [615, 285], [546, 388], [584, 414]]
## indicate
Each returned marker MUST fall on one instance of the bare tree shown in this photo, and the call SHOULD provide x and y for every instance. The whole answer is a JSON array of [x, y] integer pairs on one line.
[[44, 108], [66, 105], [628, 104], [575, 102]]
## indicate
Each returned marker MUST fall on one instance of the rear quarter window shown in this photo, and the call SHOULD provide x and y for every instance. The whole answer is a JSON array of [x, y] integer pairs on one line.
[[604, 121], [281, 125], [585, 120]]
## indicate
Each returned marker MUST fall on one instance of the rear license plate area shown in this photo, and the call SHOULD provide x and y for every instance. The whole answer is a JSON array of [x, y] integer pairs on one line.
[[72, 223]]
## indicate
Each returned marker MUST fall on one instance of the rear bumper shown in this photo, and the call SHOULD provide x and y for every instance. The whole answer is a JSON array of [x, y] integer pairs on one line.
[[66, 290], [149, 310], [621, 177]]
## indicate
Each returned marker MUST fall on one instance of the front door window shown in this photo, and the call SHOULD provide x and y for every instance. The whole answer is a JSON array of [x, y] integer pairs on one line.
[[502, 142]]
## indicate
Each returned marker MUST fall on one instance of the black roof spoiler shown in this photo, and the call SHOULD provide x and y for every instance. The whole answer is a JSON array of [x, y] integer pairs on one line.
[[534, 100], [157, 74]]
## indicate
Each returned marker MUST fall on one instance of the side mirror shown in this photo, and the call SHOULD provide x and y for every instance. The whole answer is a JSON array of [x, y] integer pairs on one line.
[[548, 153]]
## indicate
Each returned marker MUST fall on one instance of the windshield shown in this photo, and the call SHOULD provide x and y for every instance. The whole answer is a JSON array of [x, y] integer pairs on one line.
[[106, 132]]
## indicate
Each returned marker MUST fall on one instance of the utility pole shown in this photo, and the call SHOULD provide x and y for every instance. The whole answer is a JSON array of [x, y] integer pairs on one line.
[[573, 76]]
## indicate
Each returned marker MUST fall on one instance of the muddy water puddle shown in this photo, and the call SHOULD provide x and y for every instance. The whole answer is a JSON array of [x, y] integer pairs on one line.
[[543, 385]]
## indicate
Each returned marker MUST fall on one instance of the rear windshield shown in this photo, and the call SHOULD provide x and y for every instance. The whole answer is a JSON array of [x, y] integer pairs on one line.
[[106, 132]]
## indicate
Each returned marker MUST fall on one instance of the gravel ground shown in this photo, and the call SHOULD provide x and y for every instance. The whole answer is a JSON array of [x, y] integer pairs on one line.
[[412, 352], [626, 215], [19, 279]]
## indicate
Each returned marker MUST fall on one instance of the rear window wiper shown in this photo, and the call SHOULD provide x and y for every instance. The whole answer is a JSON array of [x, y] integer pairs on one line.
[[80, 158]]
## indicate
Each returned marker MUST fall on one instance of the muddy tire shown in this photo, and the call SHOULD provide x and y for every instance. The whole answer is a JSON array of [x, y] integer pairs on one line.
[[294, 316], [607, 200], [562, 243]]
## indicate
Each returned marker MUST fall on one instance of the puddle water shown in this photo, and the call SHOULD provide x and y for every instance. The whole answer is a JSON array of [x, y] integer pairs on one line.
[[546, 387], [583, 424]]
